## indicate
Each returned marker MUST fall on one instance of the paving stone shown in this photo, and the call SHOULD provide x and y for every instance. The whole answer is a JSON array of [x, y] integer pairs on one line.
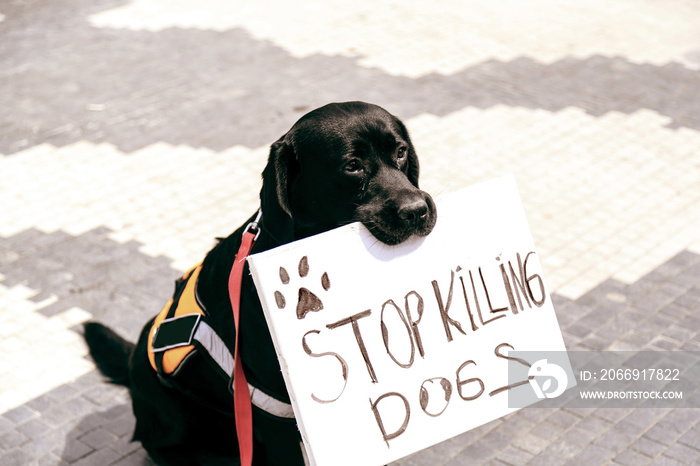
[[580, 329], [631, 341], [616, 441], [683, 453], [17, 458], [137, 458], [20, 414], [39, 447], [648, 447], [595, 343], [641, 289], [79, 406], [557, 452], [592, 454], [547, 430], [12, 439], [56, 415], [530, 443], [619, 324], [690, 300], [676, 309], [645, 417], [101, 394], [600, 294], [661, 434], [41, 403], [679, 333], [654, 302], [672, 289], [51, 460], [513, 456], [97, 439], [580, 436], [73, 451], [661, 343], [121, 425], [536, 415], [5, 425], [690, 346], [90, 423], [98, 457], [681, 420], [475, 452], [612, 415], [632, 458], [605, 311], [124, 445], [560, 303], [690, 437], [33, 428], [667, 461], [63, 393], [657, 324]]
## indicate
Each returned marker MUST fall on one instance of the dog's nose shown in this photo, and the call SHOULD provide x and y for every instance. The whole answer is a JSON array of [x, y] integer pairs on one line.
[[413, 211]]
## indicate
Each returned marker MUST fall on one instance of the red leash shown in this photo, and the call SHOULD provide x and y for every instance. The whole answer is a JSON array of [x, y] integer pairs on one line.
[[241, 394]]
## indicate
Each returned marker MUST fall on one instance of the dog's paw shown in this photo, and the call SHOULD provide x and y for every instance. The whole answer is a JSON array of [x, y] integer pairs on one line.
[[308, 301]]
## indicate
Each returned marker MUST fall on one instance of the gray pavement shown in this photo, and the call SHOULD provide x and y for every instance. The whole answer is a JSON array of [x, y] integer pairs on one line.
[[134, 132]]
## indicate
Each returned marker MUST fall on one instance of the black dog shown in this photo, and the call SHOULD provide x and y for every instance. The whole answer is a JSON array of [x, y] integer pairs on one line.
[[338, 164]]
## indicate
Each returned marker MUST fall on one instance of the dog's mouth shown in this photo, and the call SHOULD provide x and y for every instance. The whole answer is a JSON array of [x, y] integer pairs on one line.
[[393, 224]]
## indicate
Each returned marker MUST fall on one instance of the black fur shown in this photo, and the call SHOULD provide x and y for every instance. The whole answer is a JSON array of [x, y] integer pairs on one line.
[[110, 352], [338, 164]]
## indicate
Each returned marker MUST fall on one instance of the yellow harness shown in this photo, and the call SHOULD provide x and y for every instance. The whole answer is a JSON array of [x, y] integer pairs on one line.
[[168, 357], [181, 330]]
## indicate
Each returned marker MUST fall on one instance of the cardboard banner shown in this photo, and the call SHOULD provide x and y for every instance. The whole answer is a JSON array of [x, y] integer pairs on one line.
[[387, 350]]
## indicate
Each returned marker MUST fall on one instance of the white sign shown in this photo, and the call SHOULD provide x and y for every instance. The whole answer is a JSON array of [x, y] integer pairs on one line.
[[387, 350]]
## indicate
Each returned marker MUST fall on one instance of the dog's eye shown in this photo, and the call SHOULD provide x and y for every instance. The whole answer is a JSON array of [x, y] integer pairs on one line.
[[403, 151], [353, 167]]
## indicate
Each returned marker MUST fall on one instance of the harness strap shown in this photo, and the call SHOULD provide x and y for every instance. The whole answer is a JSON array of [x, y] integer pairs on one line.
[[270, 404], [190, 329], [193, 329], [241, 394]]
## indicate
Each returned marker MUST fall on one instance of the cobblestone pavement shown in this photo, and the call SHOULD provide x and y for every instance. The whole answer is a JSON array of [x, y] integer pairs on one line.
[[134, 132]]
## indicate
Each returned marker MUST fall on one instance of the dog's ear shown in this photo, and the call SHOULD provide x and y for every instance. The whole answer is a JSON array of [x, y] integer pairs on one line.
[[280, 169], [413, 168]]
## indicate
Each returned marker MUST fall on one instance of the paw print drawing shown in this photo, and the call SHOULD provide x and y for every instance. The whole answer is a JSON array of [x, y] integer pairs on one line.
[[308, 301]]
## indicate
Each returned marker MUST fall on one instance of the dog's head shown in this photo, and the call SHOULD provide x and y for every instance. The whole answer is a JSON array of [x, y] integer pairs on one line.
[[346, 162]]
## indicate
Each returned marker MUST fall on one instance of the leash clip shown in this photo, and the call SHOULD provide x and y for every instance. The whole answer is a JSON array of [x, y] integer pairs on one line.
[[253, 227]]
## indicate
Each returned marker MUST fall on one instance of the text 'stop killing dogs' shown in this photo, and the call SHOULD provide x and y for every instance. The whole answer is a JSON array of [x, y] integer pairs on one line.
[[338, 164]]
